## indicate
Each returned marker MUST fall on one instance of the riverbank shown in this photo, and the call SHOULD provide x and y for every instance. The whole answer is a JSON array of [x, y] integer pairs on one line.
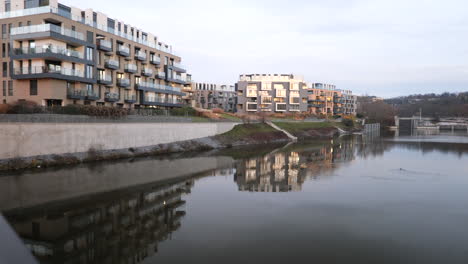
[[240, 135]]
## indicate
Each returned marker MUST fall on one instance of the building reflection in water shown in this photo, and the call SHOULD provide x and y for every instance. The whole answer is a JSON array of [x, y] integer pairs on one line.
[[105, 229], [286, 171]]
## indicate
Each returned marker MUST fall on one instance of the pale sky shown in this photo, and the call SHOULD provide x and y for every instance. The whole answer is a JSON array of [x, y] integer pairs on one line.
[[378, 47]]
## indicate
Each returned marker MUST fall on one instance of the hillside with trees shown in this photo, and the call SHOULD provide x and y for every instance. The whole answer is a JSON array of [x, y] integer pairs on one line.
[[432, 105]]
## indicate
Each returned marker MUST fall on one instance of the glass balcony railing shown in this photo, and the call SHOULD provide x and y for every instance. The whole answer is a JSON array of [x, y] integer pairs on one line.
[[155, 99], [147, 71], [112, 96], [49, 49], [130, 97], [104, 44], [123, 82], [55, 69], [158, 86], [112, 63], [123, 50], [178, 65], [161, 75], [48, 9], [155, 60], [131, 68], [74, 93], [47, 28], [105, 78], [140, 55]]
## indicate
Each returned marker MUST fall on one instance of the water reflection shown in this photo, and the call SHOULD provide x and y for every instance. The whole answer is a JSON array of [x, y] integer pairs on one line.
[[115, 229], [125, 212]]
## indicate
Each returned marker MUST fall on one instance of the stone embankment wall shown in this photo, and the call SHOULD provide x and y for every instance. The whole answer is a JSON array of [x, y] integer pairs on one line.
[[22, 140]]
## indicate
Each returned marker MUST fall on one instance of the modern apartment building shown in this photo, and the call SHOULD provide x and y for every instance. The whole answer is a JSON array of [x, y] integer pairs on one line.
[[349, 102], [54, 54], [325, 99], [210, 96], [271, 93], [188, 97]]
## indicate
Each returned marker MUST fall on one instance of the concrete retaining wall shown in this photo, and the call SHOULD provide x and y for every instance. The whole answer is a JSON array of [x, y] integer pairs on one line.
[[21, 140]]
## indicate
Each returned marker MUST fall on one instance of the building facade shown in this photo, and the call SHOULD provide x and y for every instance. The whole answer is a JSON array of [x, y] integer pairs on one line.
[[325, 99], [349, 102], [271, 93], [54, 54], [210, 96]]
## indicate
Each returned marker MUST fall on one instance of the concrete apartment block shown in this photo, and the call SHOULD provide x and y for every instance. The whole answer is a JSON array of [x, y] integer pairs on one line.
[[325, 99], [210, 96], [54, 54], [271, 93], [349, 102]]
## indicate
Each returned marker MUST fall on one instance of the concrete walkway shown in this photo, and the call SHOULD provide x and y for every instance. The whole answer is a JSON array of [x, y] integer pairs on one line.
[[293, 138]]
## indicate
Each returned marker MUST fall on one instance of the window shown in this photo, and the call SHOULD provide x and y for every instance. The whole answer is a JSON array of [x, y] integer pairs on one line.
[[33, 87], [4, 69], [266, 86], [4, 31], [252, 107], [28, 23], [267, 100], [20, 24], [89, 53], [89, 71], [281, 93], [10, 88], [279, 86], [281, 107], [7, 6], [3, 50], [295, 86], [4, 88]]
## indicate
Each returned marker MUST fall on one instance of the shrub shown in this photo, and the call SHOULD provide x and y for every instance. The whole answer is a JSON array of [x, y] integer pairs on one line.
[[24, 107], [3, 109], [218, 110], [348, 122], [186, 110]]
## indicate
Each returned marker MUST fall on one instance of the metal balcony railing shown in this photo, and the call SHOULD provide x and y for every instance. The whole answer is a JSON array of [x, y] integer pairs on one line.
[[48, 49]]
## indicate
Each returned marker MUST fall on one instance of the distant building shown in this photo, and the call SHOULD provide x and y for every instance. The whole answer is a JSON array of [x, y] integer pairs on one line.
[[211, 96], [271, 93], [188, 98], [325, 99], [349, 102]]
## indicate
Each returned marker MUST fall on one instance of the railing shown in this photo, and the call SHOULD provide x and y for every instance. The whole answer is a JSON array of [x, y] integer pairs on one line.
[[47, 28], [114, 63], [130, 97], [123, 49], [141, 55], [105, 43], [157, 86], [123, 82], [156, 60], [178, 65], [131, 67], [92, 94], [180, 78], [161, 75], [49, 69], [147, 71], [105, 78], [48, 9], [112, 96], [72, 92], [151, 99], [49, 49]]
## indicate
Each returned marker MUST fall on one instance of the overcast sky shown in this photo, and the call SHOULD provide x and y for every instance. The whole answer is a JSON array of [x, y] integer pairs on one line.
[[377, 47]]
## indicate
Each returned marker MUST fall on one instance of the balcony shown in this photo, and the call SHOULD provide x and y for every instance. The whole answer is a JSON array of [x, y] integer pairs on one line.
[[140, 55], [104, 45], [111, 97], [160, 88], [160, 101], [92, 96], [112, 64], [50, 72], [74, 94], [316, 105], [147, 72], [49, 52], [124, 83], [177, 67], [161, 75], [105, 79], [48, 30], [130, 99], [155, 60], [178, 79], [123, 51], [131, 68]]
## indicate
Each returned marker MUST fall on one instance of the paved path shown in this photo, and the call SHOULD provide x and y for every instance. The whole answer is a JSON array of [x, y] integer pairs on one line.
[[293, 138]]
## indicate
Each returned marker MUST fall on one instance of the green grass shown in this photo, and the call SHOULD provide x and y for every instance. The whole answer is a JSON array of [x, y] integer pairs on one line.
[[245, 130], [230, 117], [292, 127], [199, 119]]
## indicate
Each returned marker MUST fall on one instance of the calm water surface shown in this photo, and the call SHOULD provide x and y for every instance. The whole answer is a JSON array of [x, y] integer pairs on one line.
[[350, 200]]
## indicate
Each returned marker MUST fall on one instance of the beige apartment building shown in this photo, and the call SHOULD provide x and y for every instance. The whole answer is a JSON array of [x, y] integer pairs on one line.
[[271, 93], [211, 96], [54, 54], [325, 99]]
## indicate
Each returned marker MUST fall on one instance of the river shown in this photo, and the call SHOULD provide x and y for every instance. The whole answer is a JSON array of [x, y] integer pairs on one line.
[[367, 199]]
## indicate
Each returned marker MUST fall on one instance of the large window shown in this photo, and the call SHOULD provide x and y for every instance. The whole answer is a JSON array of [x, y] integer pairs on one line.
[[89, 71], [266, 86], [10, 88], [281, 93], [89, 54], [33, 87], [4, 69], [4, 88]]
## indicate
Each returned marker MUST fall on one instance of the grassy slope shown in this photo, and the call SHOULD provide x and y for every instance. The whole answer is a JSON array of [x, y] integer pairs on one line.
[[240, 132], [293, 127]]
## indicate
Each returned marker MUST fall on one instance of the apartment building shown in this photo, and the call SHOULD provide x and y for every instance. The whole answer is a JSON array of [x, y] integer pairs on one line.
[[55, 54], [188, 98], [325, 99], [271, 93], [210, 96], [349, 102]]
